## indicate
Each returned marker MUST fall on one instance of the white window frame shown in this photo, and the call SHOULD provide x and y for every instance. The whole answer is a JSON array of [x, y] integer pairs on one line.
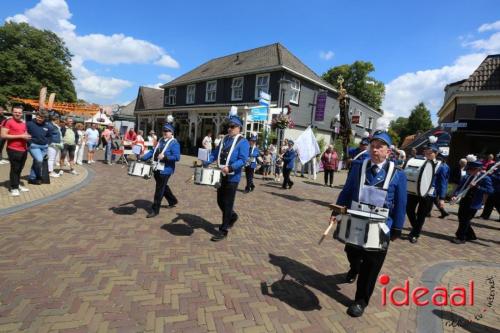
[[237, 88], [214, 91], [190, 94], [172, 96], [295, 91], [370, 122], [258, 87], [361, 122]]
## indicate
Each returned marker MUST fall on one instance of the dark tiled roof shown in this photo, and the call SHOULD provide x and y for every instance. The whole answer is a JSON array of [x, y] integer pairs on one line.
[[274, 56], [149, 99], [485, 77], [128, 110]]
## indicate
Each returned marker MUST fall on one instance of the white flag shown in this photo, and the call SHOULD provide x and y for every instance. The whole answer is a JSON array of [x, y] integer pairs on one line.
[[307, 146]]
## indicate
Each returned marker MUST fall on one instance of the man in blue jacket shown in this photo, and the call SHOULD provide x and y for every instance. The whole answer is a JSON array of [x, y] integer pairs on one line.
[[439, 199], [231, 155], [367, 264], [41, 136], [251, 163], [493, 200], [164, 156], [472, 201], [288, 164], [417, 215]]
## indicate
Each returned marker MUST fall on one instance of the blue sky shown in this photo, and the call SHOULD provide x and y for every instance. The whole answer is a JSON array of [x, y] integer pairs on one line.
[[417, 47]]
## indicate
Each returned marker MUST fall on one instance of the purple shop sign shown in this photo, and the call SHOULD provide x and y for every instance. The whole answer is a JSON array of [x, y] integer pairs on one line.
[[320, 106]]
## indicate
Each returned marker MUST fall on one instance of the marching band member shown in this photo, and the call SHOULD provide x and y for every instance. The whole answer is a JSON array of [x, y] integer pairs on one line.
[[493, 200], [417, 215], [473, 199], [251, 163], [165, 154], [446, 173], [231, 155], [288, 164], [367, 264], [360, 153]]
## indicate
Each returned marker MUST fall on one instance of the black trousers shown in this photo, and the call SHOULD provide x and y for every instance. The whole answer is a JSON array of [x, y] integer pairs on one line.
[[493, 201], [286, 177], [249, 175], [17, 160], [465, 214], [328, 176], [441, 210], [417, 215], [226, 194], [2, 144], [162, 190], [367, 264]]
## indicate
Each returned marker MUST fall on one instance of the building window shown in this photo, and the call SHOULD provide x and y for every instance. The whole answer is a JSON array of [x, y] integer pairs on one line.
[[295, 87], [211, 91], [255, 127], [171, 96], [261, 84], [237, 89], [190, 93], [370, 122]]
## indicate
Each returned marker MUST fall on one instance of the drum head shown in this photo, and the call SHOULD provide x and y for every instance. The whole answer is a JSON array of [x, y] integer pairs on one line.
[[425, 178], [365, 215]]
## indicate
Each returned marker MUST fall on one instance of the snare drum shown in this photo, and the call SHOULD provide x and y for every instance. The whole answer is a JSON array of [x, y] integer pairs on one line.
[[419, 174], [362, 229], [140, 169], [205, 176]]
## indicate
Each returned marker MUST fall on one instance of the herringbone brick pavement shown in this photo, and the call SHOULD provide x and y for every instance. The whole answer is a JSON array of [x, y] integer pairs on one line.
[[92, 262]]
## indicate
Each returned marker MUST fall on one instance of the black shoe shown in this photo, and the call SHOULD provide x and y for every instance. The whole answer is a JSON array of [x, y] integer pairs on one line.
[[284, 187], [152, 214], [444, 215], [34, 181], [290, 185], [458, 241], [355, 310], [252, 188], [233, 220], [219, 236], [173, 204], [485, 217], [247, 190], [413, 239], [350, 276]]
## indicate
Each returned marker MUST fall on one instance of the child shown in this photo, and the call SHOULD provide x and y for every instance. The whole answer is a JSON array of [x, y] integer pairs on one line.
[[279, 165], [266, 163]]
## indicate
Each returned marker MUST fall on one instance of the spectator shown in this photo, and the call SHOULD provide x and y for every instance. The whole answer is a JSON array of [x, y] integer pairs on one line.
[[218, 140], [152, 139], [207, 141], [14, 132], [80, 146], [330, 164], [3, 119], [267, 159], [139, 145], [92, 138], [414, 152], [488, 163], [130, 136], [41, 134], [107, 143], [278, 169], [69, 140], [54, 146]]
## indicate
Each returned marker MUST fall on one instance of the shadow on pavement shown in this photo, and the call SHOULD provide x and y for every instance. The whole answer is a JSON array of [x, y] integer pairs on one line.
[[450, 237], [478, 225], [466, 324], [292, 293], [287, 196], [192, 222], [304, 276], [125, 209]]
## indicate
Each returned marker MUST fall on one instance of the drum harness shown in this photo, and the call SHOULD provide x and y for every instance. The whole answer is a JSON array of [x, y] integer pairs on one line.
[[236, 140], [156, 164]]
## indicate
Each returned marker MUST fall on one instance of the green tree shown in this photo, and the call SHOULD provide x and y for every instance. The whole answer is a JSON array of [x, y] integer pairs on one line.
[[420, 119], [32, 58], [358, 82], [400, 128]]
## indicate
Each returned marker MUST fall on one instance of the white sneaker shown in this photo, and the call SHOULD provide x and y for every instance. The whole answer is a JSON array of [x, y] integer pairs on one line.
[[15, 192], [23, 189], [58, 165], [79, 163], [61, 172], [73, 172], [4, 162], [53, 174]]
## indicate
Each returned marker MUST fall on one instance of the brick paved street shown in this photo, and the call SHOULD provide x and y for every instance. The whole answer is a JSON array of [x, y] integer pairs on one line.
[[92, 262]]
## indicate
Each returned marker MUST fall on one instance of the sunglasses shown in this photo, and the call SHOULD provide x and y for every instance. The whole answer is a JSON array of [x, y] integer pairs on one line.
[[232, 126]]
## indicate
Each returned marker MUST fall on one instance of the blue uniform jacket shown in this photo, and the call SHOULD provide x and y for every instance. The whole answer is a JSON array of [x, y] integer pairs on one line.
[[255, 154], [353, 152], [396, 197], [483, 187], [238, 158], [495, 178], [171, 155], [440, 181], [289, 159]]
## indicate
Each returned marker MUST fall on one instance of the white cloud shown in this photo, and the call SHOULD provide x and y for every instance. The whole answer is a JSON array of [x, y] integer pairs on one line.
[[165, 77], [326, 55], [113, 49], [490, 45], [489, 26], [154, 85]]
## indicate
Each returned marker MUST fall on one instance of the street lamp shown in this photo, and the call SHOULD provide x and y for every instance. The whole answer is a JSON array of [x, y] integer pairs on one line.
[[284, 87]]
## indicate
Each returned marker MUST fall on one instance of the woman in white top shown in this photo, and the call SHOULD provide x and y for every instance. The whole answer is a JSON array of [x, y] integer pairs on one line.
[[207, 141], [80, 145]]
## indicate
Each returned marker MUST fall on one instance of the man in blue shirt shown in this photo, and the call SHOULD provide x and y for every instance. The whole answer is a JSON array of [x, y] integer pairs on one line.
[[166, 153], [41, 136], [367, 264], [251, 163], [231, 155], [288, 164]]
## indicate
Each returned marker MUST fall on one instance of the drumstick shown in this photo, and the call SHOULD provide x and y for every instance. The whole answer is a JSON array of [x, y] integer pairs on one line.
[[191, 178], [332, 222]]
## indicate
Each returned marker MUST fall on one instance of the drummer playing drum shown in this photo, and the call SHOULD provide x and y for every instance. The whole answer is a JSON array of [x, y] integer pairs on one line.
[[366, 265]]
